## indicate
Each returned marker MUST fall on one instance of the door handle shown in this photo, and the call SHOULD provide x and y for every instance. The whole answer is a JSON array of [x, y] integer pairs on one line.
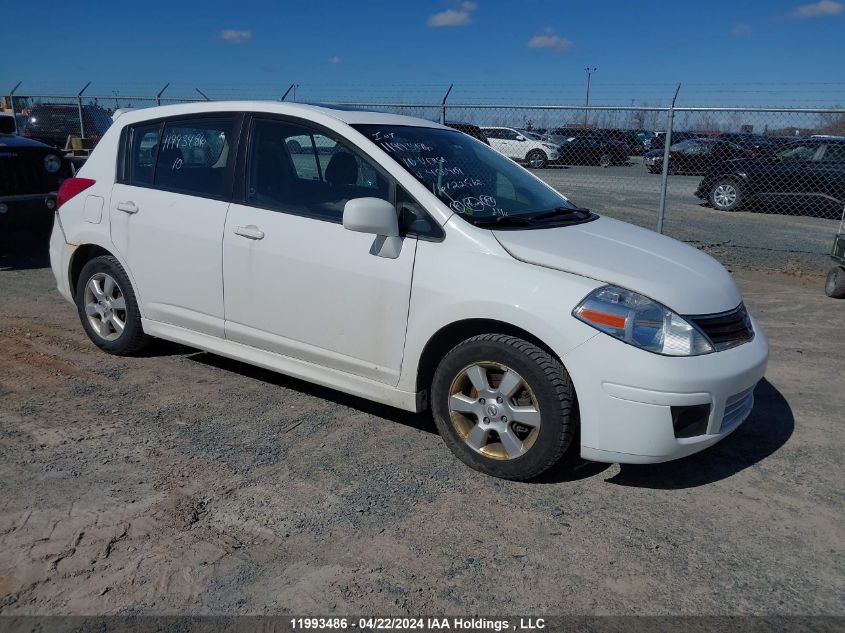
[[127, 207], [251, 232]]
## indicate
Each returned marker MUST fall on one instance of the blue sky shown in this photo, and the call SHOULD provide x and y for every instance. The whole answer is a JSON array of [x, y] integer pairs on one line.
[[777, 52]]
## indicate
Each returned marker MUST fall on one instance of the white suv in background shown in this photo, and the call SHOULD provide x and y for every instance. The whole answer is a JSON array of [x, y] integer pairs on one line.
[[516, 146], [409, 264]]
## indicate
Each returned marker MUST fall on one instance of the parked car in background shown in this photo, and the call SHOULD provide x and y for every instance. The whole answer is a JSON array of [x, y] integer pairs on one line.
[[590, 149], [420, 269], [53, 123], [30, 175], [468, 128], [694, 155], [807, 175], [659, 140], [516, 146]]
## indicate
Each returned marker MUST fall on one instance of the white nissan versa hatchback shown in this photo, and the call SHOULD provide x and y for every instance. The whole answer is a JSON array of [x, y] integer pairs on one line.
[[405, 262]]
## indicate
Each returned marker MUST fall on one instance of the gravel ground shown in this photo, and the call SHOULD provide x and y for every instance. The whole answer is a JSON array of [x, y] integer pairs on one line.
[[181, 482], [751, 238]]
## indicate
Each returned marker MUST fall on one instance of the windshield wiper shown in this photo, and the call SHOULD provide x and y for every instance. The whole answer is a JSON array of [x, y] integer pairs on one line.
[[504, 220], [560, 212]]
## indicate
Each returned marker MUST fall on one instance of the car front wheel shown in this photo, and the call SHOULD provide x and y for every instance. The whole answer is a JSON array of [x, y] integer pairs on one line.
[[536, 159], [108, 308], [604, 160], [504, 406], [726, 195]]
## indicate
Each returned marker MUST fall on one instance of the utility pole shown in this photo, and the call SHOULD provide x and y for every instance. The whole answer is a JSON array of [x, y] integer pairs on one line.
[[589, 72]]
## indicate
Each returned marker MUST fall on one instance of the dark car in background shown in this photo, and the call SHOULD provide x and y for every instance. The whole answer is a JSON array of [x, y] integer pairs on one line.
[[54, 123], [30, 175], [808, 175], [468, 128], [659, 140], [694, 155], [589, 149]]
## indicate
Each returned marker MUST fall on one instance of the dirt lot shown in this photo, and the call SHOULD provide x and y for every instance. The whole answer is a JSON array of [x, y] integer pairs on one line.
[[183, 482]]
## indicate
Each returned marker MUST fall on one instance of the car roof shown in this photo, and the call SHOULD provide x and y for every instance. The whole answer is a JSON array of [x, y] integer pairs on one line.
[[346, 114]]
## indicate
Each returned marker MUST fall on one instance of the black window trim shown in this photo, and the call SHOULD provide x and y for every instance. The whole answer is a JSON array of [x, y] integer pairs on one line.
[[236, 117], [239, 188]]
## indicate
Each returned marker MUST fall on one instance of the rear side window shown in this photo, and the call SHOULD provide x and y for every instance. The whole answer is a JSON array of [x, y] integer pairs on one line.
[[193, 156], [143, 146]]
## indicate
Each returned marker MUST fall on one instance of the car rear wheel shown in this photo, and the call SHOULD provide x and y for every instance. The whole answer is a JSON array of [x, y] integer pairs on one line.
[[108, 308], [834, 286], [536, 159], [726, 195], [504, 406], [604, 160]]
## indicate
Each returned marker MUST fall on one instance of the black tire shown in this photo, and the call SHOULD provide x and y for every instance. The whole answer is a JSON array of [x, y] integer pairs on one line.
[[550, 388], [605, 160], [653, 170], [536, 159], [727, 201], [132, 339], [834, 285]]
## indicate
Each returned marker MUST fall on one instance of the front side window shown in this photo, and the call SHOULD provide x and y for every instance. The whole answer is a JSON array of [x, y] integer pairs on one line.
[[294, 168], [193, 156], [799, 152], [475, 181]]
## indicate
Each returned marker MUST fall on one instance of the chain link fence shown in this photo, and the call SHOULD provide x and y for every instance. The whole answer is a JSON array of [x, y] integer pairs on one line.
[[755, 187]]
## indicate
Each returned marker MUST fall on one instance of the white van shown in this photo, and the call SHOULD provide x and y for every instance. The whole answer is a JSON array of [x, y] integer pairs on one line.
[[407, 263]]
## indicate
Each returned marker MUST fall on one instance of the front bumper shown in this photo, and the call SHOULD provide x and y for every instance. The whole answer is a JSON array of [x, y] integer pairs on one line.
[[626, 396]]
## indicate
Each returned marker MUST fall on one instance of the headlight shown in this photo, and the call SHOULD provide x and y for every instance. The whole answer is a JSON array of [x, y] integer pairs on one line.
[[639, 321], [550, 146], [52, 163]]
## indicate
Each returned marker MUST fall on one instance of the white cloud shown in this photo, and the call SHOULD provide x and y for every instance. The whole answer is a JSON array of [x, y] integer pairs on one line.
[[233, 36], [818, 9], [334, 59], [549, 39], [741, 30], [453, 17]]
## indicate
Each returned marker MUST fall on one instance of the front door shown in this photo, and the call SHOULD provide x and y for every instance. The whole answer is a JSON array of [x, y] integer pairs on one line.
[[167, 215], [296, 282]]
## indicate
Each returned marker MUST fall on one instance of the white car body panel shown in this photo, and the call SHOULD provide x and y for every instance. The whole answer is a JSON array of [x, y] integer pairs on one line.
[[335, 304], [679, 276], [311, 301]]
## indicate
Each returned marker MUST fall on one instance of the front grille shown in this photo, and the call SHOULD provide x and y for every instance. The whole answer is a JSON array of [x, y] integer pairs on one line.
[[727, 329], [24, 173]]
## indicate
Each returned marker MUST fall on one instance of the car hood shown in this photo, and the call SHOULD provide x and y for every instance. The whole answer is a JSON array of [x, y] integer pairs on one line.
[[678, 276], [10, 140]]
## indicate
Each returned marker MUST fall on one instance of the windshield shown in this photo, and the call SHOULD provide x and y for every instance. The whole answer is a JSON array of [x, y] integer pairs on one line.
[[474, 180]]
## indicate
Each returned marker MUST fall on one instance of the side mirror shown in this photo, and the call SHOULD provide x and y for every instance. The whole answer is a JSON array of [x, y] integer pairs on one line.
[[520, 137], [377, 217]]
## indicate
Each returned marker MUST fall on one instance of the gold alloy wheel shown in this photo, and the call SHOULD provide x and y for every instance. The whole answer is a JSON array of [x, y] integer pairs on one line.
[[494, 411]]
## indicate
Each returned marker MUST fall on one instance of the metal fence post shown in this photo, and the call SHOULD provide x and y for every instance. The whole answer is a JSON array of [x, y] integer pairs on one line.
[[664, 178], [161, 92], [443, 105], [12, 105], [79, 107]]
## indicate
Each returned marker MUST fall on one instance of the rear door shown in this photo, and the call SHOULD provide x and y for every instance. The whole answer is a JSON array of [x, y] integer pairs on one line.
[[168, 210], [830, 177], [788, 178]]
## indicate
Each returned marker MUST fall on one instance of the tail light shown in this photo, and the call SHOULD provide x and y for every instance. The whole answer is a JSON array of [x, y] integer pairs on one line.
[[70, 188], [27, 132]]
